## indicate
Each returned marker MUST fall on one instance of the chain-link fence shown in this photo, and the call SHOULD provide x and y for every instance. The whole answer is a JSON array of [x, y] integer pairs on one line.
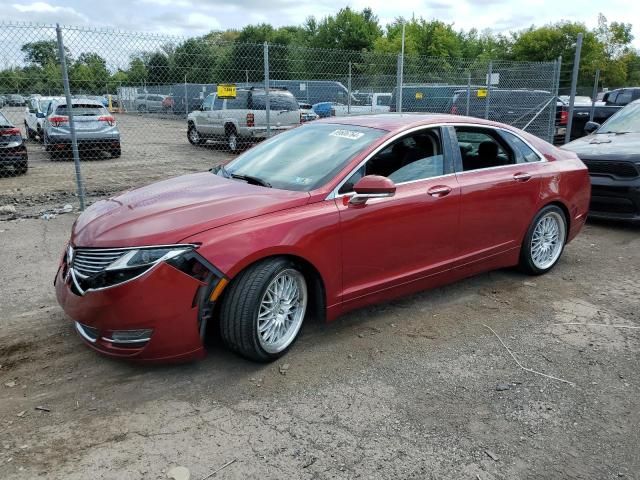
[[146, 107]]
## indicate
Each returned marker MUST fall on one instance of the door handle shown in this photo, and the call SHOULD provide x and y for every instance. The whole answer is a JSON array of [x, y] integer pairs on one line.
[[439, 191], [521, 177]]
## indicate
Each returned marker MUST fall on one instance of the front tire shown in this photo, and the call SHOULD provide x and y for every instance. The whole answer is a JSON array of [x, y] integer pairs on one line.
[[261, 314], [544, 242], [194, 136], [232, 140]]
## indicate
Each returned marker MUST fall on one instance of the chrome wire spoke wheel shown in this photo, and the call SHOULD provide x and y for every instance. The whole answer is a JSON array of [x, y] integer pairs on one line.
[[281, 311], [194, 135], [547, 240]]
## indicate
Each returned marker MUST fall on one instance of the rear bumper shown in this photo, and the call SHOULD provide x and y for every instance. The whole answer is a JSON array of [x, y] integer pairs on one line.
[[161, 300], [14, 157], [615, 199]]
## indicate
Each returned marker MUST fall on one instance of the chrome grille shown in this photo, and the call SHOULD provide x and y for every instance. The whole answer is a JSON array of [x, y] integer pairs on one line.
[[89, 261]]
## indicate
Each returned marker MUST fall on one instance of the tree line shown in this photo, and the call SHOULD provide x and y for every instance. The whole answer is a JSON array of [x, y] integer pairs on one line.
[[322, 49]]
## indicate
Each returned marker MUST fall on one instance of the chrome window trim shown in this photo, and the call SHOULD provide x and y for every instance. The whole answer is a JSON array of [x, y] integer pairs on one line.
[[334, 193]]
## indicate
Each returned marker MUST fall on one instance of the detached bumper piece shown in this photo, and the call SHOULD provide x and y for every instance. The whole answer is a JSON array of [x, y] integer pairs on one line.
[[153, 315]]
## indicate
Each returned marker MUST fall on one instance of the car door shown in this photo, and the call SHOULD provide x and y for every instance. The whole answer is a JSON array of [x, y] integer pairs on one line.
[[391, 241], [202, 117], [499, 190]]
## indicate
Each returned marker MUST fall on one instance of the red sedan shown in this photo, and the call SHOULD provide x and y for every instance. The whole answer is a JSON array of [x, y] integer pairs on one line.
[[316, 221]]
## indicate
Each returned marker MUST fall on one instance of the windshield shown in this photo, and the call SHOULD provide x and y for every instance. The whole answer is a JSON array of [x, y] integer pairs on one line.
[[303, 158], [4, 122], [626, 120], [82, 110]]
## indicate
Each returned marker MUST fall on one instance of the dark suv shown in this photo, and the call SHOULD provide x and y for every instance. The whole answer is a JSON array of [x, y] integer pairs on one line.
[[13, 151]]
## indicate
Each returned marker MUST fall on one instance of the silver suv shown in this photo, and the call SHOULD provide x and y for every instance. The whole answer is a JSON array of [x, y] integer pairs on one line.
[[243, 119], [152, 102], [96, 128]]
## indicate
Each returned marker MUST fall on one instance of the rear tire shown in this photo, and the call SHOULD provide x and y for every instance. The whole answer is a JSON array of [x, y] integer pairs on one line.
[[544, 242], [263, 310], [22, 168], [116, 152]]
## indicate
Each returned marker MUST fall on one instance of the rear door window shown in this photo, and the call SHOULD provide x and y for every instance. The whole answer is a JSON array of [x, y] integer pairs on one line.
[[624, 97], [523, 152], [282, 102], [238, 103], [483, 148]]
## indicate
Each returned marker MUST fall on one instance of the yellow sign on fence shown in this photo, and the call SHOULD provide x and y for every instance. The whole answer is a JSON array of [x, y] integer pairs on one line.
[[226, 91], [419, 95], [482, 93]]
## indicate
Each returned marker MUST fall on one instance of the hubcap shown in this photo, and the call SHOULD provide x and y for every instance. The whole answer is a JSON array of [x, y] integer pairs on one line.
[[233, 142], [281, 311], [194, 135], [547, 240]]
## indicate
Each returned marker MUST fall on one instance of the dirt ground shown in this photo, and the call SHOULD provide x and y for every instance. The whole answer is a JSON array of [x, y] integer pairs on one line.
[[154, 147], [418, 388]]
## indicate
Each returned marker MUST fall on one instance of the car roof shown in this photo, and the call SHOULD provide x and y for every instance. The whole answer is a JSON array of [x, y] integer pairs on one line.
[[397, 122]]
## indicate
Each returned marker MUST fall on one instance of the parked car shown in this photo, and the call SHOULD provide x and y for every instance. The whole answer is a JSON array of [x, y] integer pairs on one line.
[[311, 91], [15, 100], [612, 155], [152, 102], [375, 103], [96, 128], [34, 116], [621, 96], [326, 109], [243, 119], [582, 111], [316, 221], [427, 98], [13, 151], [306, 113]]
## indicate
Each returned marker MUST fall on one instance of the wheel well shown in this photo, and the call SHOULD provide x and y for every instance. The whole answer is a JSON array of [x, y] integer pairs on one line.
[[565, 210], [191, 123], [317, 295], [229, 127]]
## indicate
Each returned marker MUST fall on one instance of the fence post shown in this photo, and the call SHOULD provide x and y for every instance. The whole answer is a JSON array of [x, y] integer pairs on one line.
[[594, 95], [349, 88], [400, 73], [186, 97], [468, 93], [574, 85], [72, 125], [267, 101], [490, 74]]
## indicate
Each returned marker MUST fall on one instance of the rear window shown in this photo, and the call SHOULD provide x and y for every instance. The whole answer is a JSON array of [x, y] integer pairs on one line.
[[277, 101], [4, 122], [82, 110]]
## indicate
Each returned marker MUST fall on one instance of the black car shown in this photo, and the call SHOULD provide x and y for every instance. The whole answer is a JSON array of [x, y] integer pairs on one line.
[[612, 155], [13, 151]]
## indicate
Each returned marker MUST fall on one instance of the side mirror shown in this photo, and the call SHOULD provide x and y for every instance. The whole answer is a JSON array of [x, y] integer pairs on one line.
[[40, 115], [372, 186], [591, 127]]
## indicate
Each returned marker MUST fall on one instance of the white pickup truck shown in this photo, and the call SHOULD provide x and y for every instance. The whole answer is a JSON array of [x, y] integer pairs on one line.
[[380, 103]]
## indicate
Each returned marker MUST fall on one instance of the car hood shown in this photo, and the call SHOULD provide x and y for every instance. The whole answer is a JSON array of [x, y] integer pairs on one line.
[[169, 211], [607, 146]]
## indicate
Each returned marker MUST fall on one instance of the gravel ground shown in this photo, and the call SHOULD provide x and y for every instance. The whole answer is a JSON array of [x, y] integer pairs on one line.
[[417, 388], [154, 147]]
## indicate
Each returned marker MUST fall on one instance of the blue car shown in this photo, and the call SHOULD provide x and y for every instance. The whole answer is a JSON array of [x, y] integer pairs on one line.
[[324, 109]]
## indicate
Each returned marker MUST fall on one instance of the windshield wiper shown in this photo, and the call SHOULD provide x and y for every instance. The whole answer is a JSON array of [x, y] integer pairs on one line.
[[247, 178], [616, 133]]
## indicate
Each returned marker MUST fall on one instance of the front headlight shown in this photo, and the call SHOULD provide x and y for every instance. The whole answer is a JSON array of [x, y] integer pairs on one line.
[[147, 257]]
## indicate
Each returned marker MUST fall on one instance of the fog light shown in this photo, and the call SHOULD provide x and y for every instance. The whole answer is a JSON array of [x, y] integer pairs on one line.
[[130, 336]]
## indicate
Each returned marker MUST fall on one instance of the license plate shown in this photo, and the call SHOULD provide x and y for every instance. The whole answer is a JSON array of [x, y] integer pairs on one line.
[[85, 125]]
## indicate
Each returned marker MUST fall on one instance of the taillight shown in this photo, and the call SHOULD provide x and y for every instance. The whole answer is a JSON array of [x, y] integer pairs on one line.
[[454, 110], [108, 119], [10, 132], [564, 117], [59, 121], [251, 121]]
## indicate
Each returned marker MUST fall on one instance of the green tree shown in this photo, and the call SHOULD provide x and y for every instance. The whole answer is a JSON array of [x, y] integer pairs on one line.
[[42, 52]]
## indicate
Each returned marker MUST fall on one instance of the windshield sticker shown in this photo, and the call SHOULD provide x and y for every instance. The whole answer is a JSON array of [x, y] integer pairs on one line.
[[303, 180], [351, 135]]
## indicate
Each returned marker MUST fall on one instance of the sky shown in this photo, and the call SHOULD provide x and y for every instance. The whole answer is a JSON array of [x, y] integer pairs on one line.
[[195, 17]]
